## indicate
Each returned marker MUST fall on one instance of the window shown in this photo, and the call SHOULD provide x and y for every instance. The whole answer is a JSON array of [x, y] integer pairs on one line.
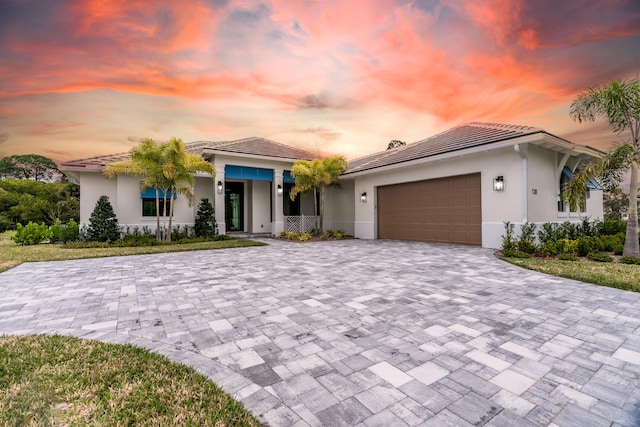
[[565, 177], [149, 206]]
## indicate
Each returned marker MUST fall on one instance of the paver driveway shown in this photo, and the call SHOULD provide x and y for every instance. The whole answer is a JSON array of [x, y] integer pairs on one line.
[[357, 332]]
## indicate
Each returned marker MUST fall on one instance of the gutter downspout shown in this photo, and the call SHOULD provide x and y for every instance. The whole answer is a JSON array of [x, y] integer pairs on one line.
[[525, 183]]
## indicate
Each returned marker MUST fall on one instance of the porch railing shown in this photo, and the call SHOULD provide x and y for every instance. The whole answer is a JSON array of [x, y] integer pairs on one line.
[[302, 223]]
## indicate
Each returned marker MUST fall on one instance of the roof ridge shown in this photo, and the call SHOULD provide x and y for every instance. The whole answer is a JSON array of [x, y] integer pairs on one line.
[[489, 125]]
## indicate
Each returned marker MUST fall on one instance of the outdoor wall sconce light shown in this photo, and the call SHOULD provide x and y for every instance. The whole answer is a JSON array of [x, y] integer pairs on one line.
[[279, 190], [363, 197], [219, 187], [498, 183]]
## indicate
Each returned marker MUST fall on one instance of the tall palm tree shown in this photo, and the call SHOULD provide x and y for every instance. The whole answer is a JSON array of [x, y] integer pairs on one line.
[[165, 167], [619, 103], [145, 162], [179, 168], [316, 175]]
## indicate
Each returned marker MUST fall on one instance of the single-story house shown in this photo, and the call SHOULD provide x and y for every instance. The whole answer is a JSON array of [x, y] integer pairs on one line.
[[459, 186]]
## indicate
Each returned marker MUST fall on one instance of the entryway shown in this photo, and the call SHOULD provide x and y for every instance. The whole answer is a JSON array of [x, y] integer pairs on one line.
[[234, 206]]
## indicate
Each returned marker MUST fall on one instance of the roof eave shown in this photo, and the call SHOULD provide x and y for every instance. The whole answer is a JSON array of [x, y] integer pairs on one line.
[[532, 138], [250, 156]]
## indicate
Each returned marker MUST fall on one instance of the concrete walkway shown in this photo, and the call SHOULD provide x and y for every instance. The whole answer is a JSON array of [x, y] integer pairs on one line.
[[357, 332]]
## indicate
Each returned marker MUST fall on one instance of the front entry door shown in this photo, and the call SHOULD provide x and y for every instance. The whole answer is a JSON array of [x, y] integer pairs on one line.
[[234, 206]]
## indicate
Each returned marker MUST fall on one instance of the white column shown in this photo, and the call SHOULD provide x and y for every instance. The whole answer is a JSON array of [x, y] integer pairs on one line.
[[278, 203], [219, 198]]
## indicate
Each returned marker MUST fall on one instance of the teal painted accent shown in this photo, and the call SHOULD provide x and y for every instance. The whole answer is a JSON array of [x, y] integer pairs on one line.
[[150, 193], [244, 172], [592, 185], [288, 178]]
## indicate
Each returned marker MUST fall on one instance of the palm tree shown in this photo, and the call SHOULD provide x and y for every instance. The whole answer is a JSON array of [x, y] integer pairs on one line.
[[316, 175], [179, 167], [165, 167], [145, 162], [619, 102]]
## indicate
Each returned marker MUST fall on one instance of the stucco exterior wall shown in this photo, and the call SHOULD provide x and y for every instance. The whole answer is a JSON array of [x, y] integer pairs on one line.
[[92, 186], [261, 207], [339, 209], [204, 188]]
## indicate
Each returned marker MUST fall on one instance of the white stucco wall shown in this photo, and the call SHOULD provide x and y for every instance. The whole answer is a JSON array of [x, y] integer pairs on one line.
[[204, 188], [92, 186], [261, 207], [339, 209]]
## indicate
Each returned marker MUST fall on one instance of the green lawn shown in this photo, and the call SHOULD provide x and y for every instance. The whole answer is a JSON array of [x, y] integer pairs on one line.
[[60, 381], [12, 254], [614, 275]]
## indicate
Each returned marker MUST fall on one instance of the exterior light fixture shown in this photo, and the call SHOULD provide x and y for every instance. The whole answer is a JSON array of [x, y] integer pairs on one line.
[[498, 183], [219, 187], [363, 197], [279, 190]]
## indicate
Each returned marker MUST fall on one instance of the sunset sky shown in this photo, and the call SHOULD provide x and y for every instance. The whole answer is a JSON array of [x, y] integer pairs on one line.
[[80, 78]]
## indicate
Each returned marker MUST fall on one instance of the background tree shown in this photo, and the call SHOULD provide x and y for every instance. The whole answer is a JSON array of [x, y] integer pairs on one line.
[[619, 103], [24, 200], [316, 175], [205, 224], [29, 166], [395, 143], [615, 204], [165, 167], [103, 224]]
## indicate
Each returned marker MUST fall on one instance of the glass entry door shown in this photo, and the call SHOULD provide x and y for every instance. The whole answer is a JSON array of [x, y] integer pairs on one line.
[[234, 206]]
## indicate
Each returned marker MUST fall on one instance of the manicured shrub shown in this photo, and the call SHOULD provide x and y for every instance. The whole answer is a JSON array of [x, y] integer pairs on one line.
[[566, 246], [338, 234], [56, 231], [568, 230], [508, 240], [548, 233], [513, 253], [31, 234], [567, 257], [182, 233], [630, 260], [549, 248], [609, 243], [588, 228], [219, 237], [103, 224], [526, 241], [599, 256], [303, 237], [587, 244], [611, 227], [327, 235], [205, 224], [70, 232]]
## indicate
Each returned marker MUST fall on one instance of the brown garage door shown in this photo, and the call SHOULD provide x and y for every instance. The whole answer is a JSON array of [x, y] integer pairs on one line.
[[437, 210]]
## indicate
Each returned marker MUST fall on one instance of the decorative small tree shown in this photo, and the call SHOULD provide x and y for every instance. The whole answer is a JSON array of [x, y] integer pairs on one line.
[[103, 224], [205, 224]]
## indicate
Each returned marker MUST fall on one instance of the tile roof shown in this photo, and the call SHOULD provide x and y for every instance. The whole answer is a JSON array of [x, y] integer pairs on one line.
[[252, 146], [461, 137]]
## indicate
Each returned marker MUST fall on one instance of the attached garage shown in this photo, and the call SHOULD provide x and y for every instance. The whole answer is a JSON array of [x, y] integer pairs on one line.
[[446, 210]]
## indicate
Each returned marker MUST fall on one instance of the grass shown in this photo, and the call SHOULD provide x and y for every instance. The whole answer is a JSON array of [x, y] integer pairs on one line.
[[12, 254], [57, 380], [614, 275]]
